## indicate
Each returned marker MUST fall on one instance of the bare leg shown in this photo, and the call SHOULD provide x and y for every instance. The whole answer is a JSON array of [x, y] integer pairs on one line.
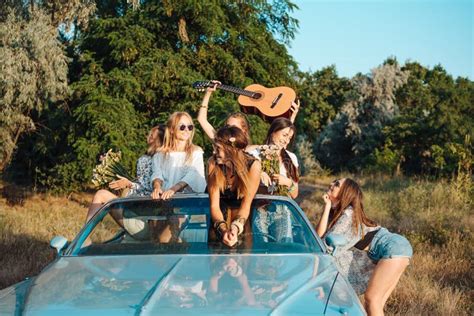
[[100, 198], [382, 282]]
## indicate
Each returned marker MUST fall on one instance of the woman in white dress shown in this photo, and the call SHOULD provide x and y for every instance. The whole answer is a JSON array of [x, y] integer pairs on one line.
[[178, 166]]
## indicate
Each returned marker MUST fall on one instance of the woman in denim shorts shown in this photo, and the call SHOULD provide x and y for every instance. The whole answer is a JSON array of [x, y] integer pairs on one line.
[[344, 220]]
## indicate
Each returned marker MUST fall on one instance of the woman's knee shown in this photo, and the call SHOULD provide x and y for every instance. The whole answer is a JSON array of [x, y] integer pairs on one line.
[[103, 196], [372, 299]]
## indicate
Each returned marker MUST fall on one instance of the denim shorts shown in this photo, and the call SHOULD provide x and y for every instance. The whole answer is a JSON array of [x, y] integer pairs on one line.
[[387, 245]]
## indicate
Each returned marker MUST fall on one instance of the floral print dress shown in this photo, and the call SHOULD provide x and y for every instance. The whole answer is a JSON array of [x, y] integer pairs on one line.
[[142, 186], [353, 263]]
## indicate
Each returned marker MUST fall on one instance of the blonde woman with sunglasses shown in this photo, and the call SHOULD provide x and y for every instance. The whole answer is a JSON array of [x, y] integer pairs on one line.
[[178, 166]]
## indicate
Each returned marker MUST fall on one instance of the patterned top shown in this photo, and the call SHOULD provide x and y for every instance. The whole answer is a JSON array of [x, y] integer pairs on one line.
[[354, 263], [142, 186]]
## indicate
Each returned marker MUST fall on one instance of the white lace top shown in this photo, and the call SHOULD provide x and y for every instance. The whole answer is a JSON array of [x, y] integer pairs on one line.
[[171, 169]]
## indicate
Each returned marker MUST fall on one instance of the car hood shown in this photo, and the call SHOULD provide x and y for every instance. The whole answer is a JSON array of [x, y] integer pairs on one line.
[[197, 284]]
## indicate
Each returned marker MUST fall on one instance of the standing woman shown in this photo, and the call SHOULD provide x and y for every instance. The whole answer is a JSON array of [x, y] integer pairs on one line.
[[277, 222], [233, 181], [178, 165], [281, 133], [142, 186], [344, 219], [237, 119]]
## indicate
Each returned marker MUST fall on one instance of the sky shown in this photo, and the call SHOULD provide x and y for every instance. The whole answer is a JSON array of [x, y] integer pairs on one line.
[[358, 35]]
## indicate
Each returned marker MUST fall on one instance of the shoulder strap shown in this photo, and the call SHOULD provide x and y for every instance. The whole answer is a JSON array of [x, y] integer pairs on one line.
[[364, 242]]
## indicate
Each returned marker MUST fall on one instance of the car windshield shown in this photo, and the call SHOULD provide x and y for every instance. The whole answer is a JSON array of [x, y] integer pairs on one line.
[[183, 226]]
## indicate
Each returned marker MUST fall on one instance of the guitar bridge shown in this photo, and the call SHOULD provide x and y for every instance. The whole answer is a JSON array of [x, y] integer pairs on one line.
[[275, 101]]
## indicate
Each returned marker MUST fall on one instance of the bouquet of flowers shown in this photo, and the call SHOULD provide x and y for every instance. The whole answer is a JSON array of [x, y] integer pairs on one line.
[[269, 155], [109, 169]]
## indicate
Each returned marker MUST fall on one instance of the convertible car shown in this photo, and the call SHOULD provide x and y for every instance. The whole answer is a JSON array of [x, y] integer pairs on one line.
[[154, 257]]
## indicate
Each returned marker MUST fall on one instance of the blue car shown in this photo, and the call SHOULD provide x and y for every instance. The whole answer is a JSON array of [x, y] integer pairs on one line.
[[153, 257]]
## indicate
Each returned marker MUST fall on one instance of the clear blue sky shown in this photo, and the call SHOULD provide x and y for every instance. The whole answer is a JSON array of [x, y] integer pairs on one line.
[[357, 35]]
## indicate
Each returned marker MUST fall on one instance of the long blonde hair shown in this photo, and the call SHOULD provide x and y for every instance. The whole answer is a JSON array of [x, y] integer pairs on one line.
[[170, 141], [233, 141]]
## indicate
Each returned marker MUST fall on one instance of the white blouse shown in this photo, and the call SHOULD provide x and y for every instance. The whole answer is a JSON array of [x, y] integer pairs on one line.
[[171, 168]]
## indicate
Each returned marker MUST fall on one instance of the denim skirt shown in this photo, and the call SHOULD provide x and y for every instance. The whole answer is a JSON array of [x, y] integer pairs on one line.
[[387, 245]]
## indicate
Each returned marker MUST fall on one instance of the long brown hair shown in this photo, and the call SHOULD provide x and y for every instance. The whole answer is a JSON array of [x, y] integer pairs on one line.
[[158, 140], [243, 121], [170, 141], [277, 125], [233, 142], [350, 194]]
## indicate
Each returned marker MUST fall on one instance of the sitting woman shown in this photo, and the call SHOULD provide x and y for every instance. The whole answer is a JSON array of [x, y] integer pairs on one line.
[[178, 165], [236, 119], [142, 186], [344, 219], [233, 181], [277, 222]]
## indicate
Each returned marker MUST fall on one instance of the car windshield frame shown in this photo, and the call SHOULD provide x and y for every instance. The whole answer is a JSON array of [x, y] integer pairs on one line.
[[317, 246]]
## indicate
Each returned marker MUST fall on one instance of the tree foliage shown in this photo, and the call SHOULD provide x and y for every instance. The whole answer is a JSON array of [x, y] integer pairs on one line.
[[435, 126], [322, 95], [357, 129], [33, 74], [132, 68]]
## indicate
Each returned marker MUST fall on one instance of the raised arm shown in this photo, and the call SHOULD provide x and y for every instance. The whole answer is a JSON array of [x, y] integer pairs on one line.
[[295, 106], [322, 226], [202, 115]]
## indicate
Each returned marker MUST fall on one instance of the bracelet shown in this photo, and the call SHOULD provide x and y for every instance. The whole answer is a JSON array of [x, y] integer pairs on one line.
[[239, 223], [292, 187], [204, 107], [218, 227]]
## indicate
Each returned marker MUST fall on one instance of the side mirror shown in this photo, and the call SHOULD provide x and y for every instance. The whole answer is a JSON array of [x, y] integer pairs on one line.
[[334, 241], [58, 243]]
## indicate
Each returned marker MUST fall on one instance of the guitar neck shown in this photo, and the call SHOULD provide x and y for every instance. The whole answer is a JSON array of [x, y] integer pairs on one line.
[[238, 91]]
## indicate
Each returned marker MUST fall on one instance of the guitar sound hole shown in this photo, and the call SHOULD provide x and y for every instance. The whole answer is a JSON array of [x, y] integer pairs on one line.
[[257, 95]]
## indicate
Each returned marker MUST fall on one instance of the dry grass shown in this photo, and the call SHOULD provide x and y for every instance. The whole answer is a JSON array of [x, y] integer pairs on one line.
[[435, 216], [25, 232]]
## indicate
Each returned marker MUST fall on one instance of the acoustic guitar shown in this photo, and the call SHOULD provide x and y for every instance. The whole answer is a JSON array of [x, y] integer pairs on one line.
[[268, 103]]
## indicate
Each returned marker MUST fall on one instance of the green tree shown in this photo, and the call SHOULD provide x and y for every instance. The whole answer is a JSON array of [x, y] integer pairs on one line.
[[435, 118], [33, 74], [132, 68], [357, 129], [322, 94]]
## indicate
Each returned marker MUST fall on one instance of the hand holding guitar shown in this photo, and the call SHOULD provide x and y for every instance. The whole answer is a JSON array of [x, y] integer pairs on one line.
[[256, 99], [295, 107], [202, 115], [212, 87]]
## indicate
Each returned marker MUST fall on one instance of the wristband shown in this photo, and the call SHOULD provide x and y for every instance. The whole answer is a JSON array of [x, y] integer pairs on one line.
[[239, 223], [218, 227], [292, 187]]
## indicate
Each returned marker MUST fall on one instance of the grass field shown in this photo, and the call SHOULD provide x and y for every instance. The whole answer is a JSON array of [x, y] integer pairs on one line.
[[436, 217]]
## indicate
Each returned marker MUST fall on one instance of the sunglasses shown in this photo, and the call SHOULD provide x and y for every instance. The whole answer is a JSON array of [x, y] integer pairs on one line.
[[182, 127]]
